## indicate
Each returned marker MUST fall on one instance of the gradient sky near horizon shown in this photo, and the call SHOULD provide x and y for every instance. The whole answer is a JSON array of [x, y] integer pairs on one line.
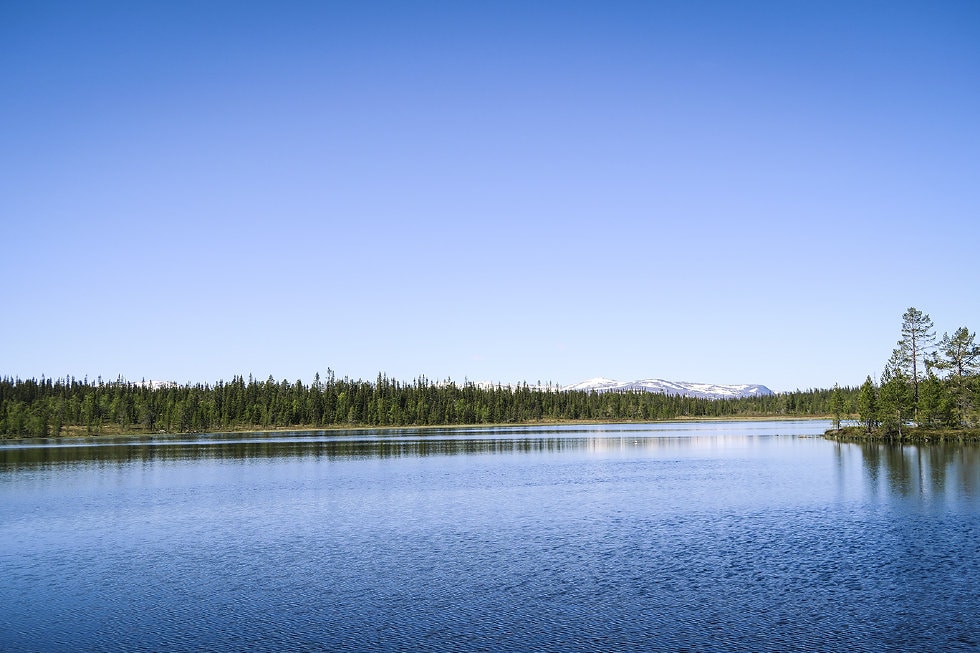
[[725, 192]]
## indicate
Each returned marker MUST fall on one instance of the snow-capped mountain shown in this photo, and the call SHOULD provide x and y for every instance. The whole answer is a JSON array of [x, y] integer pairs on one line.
[[701, 390]]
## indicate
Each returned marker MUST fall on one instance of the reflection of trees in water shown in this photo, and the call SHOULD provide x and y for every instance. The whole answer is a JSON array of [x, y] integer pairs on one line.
[[921, 469], [317, 445], [132, 452]]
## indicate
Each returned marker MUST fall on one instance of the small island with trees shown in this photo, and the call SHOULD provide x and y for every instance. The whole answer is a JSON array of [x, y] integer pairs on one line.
[[927, 391]]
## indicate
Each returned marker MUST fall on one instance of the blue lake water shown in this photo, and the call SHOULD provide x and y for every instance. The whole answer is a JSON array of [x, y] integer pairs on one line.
[[693, 536]]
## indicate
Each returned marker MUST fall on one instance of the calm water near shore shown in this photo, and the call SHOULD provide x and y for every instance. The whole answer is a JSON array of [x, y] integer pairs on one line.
[[677, 536]]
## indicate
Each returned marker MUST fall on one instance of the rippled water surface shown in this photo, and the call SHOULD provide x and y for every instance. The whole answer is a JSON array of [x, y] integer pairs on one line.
[[696, 536]]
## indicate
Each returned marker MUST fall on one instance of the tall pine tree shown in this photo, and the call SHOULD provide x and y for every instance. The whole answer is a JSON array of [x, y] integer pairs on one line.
[[918, 340]]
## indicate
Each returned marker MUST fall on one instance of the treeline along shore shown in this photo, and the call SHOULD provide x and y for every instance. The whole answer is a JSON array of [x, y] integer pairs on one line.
[[928, 390], [57, 407]]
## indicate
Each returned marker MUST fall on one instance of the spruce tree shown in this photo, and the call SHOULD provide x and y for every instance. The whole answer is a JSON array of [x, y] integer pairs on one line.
[[868, 405], [895, 401], [959, 355], [837, 405]]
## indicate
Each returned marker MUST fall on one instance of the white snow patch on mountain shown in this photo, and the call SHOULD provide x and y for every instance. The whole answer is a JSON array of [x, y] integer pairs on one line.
[[683, 388], [599, 384]]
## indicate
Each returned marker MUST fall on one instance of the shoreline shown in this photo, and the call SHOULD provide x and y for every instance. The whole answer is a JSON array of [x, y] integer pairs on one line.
[[114, 431]]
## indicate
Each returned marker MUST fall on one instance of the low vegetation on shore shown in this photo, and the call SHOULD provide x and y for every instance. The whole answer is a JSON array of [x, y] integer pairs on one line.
[[911, 435]]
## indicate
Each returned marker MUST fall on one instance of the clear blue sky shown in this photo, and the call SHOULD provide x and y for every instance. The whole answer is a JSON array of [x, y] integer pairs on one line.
[[724, 192]]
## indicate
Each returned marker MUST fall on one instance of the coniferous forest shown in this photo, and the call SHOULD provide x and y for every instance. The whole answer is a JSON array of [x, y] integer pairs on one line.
[[53, 407], [929, 383]]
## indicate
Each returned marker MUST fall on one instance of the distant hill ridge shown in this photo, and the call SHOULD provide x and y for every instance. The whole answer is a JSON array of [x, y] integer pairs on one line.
[[602, 384], [682, 388]]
